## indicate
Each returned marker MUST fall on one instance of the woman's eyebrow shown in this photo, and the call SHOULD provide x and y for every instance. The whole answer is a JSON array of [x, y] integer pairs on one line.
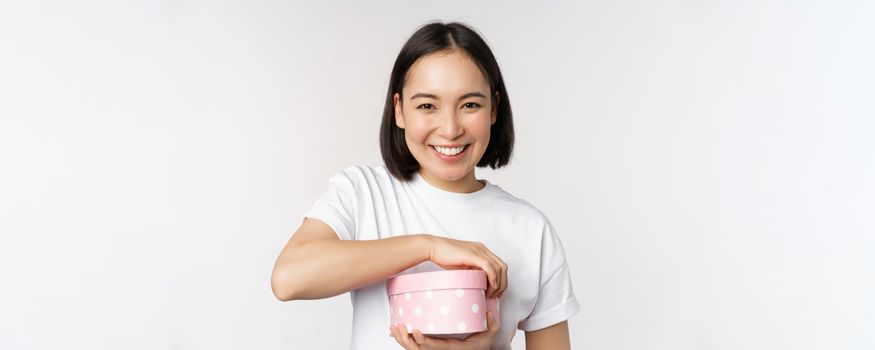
[[433, 96]]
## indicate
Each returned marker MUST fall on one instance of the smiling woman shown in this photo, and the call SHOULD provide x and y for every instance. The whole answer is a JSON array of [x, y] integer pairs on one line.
[[444, 122], [447, 84], [447, 112]]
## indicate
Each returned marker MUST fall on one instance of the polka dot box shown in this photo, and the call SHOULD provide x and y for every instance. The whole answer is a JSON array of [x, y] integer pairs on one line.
[[447, 303]]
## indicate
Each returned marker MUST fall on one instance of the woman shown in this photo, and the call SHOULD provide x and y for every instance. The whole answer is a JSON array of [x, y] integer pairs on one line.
[[447, 112]]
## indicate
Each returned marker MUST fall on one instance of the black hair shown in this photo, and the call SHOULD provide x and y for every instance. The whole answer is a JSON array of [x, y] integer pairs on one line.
[[431, 38]]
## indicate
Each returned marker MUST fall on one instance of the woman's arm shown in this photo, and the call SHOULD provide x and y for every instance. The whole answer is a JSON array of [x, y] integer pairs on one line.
[[553, 337], [315, 264]]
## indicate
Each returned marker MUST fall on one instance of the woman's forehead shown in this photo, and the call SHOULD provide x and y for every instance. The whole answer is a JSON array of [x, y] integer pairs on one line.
[[445, 74]]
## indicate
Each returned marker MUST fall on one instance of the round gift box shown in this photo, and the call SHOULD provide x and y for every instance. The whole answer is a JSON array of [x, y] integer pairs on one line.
[[448, 303]]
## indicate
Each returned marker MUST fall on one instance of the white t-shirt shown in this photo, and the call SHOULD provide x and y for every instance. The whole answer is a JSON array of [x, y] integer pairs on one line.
[[367, 203]]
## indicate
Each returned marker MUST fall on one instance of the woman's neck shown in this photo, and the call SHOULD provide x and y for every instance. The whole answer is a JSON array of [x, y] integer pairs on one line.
[[466, 184]]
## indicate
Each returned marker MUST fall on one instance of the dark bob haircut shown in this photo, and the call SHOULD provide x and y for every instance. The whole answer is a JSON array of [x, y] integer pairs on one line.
[[431, 38]]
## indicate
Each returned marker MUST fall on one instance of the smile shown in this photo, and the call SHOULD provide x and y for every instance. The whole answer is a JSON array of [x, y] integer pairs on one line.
[[449, 151]]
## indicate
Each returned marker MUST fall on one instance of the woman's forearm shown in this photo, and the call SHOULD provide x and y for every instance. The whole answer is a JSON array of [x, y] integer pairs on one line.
[[327, 267], [554, 337]]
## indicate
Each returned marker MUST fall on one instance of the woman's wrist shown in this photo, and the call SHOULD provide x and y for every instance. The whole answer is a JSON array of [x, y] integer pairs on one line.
[[426, 242]]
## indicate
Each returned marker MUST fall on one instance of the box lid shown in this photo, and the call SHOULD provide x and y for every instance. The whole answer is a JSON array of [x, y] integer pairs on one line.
[[435, 280]]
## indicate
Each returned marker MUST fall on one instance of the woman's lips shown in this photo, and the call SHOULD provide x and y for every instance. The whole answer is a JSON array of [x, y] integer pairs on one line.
[[449, 150]]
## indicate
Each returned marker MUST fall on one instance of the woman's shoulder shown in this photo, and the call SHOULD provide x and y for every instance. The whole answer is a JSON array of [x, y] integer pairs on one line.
[[517, 206], [362, 172], [362, 176]]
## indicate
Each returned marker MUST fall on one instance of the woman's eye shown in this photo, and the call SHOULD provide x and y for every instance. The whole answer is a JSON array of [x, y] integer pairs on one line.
[[425, 106], [472, 105]]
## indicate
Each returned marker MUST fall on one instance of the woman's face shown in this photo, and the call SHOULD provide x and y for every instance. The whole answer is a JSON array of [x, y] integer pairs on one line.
[[446, 114]]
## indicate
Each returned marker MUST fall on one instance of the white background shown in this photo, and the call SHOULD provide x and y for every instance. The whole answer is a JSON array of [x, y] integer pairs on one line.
[[709, 165]]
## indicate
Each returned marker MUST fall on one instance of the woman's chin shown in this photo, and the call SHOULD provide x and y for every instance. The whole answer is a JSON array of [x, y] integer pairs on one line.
[[451, 175]]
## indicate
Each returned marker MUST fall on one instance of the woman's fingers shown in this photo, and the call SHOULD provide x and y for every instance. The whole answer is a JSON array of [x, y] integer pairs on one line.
[[497, 271], [492, 327], [419, 341], [419, 338], [394, 333], [403, 338], [502, 268], [493, 276], [429, 343], [487, 262], [449, 253], [497, 274]]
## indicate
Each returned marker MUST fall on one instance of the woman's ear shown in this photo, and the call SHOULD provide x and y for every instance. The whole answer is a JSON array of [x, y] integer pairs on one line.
[[494, 109], [399, 116]]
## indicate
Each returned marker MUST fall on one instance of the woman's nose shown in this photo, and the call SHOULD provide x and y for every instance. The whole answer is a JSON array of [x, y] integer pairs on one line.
[[450, 126]]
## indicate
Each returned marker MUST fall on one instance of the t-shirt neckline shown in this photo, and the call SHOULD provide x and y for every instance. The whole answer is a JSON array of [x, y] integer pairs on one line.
[[448, 197]]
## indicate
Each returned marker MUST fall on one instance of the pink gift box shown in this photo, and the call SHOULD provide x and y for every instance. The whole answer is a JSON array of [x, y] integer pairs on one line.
[[450, 303]]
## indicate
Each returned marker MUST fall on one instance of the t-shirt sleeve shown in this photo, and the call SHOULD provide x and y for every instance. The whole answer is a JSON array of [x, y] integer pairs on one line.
[[336, 206], [556, 301]]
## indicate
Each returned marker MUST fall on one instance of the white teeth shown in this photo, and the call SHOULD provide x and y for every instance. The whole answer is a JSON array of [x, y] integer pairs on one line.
[[447, 151]]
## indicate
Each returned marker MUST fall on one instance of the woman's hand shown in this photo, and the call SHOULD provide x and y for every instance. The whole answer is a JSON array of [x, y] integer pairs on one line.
[[418, 341], [451, 253]]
